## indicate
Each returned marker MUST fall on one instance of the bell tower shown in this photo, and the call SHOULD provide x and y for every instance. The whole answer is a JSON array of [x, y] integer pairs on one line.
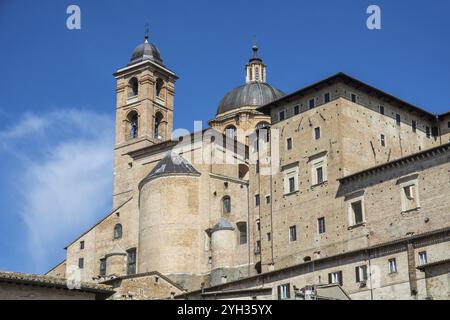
[[145, 90]]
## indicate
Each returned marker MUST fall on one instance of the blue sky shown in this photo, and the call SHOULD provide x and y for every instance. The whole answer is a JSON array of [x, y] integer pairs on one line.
[[57, 95]]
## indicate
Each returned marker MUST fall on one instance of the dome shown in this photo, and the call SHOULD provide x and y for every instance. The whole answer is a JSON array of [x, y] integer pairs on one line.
[[253, 94], [146, 51], [223, 224]]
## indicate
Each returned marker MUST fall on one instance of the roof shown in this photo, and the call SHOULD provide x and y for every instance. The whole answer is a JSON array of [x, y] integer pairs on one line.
[[342, 77], [52, 282], [171, 164], [252, 94], [395, 163], [433, 264], [56, 266], [223, 224], [145, 274], [146, 51]]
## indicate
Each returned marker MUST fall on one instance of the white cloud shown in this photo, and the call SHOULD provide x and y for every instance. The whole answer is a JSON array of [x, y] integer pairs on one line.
[[65, 181]]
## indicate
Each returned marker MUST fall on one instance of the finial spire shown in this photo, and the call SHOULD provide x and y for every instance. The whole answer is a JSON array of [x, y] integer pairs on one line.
[[255, 48], [146, 32]]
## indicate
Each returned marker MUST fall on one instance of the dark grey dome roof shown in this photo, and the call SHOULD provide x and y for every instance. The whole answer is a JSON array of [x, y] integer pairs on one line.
[[171, 164], [223, 224], [146, 51], [252, 94]]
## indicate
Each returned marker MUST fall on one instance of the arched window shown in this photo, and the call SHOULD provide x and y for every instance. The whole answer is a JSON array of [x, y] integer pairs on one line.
[[133, 87], [158, 121], [159, 85], [230, 132], [133, 124], [226, 202], [118, 231]]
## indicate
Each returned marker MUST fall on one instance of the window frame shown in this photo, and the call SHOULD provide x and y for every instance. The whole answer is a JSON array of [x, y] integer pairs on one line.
[[293, 233], [317, 133], [326, 97], [392, 265], [321, 225], [284, 291], [352, 214], [131, 264], [423, 258], [226, 209]]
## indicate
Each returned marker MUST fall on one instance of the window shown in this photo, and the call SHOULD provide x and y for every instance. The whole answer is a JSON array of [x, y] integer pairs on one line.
[[409, 196], [284, 291], [311, 103], [382, 140], [281, 116], [133, 124], [81, 263], [263, 130], [268, 199], [257, 199], [103, 267], [289, 143], [434, 131], [131, 261], [269, 236], [317, 133], [321, 225], [242, 228], [382, 109], [226, 201], [423, 258], [335, 278], [319, 175], [326, 97], [257, 166], [353, 97], [257, 246], [158, 122], [81, 245], [291, 184], [392, 265], [292, 233], [296, 109], [290, 179], [428, 132], [361, 273], [118, 231], [133, 87], [356, 212], [158, 87], [397, 119], [256, 73], [258, 225], [448, 124], [414, 126], [230, 132]]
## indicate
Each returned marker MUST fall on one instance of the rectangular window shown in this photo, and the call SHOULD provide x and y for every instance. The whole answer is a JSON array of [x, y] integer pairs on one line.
[[131, 261], [427, 130], [434, 131], [102, 267], [317, 133], [267, 199], [257, 166], [257, 246], [423, 258], [269, 236], [319, 175], [281, 116], [361, 273], [382, 109], [81, 245], [397, 119], [335, 278], [293, 233], [257, 200], [354, 97], [409, 196], [284, 291], [311, 103], [392, 265], [382, 140], [242, 227], [291, 184], [321, 225], [356, 209], [81, 263], [414, 126], [326, 97], [289, 143], [296, 109]]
